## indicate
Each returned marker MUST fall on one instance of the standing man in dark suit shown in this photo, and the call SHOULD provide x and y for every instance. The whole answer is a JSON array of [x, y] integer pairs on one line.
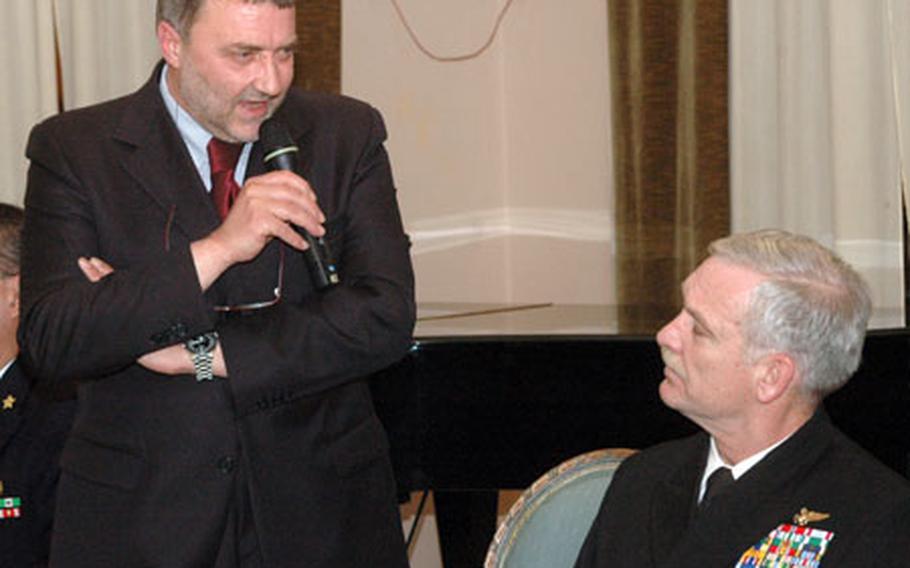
[[224, 418], [33, 425], [771, 323]]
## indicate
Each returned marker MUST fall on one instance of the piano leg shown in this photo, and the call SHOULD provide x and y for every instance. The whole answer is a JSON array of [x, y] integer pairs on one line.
[[466, 523]]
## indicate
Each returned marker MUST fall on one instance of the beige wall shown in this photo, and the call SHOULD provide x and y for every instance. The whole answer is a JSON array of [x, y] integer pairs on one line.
[[502, 161]]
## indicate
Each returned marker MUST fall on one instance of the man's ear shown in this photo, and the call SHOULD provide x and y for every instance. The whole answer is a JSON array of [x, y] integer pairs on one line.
[[775, 374], [13, 296], [170, 42]]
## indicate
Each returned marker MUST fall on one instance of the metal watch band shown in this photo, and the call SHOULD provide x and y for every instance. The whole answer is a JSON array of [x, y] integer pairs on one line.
[[202, 348], [202, 363]]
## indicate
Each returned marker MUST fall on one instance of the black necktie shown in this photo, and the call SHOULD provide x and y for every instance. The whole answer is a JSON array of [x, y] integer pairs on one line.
[[718, 482], [223, 159]]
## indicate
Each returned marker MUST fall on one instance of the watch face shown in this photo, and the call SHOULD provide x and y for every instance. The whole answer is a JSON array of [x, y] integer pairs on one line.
[[204, 343]]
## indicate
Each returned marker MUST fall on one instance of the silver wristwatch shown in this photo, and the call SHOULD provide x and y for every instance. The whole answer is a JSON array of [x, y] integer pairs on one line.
[[202, 349]]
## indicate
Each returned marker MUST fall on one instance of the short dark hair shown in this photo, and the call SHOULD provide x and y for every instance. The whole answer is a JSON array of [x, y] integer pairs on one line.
[[11, 220], [182, 13]]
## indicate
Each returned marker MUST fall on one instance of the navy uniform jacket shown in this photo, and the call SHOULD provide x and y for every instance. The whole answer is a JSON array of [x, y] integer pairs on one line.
[[647, 518], [156, 465], [32, 431]]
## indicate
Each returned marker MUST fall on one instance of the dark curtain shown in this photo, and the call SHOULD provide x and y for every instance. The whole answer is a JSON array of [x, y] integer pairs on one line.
[[317, 65], [668, 72]]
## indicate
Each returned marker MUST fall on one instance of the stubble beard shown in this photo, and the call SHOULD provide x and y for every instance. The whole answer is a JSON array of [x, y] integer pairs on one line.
[[218, 116]]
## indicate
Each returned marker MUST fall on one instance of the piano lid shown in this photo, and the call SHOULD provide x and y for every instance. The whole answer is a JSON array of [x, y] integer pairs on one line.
[[466, 319]]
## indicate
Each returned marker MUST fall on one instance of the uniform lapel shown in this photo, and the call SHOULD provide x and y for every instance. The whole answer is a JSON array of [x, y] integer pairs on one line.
[[671, 505], [14, 390]]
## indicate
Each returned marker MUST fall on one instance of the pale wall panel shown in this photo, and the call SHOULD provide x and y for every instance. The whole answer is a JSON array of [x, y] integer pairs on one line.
[[502, 146]]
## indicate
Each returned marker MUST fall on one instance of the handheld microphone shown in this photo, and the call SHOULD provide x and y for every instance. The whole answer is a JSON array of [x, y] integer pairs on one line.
[[280, 153]]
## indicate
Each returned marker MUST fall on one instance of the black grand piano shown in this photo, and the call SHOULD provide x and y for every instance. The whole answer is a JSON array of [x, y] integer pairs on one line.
[[491, 397]]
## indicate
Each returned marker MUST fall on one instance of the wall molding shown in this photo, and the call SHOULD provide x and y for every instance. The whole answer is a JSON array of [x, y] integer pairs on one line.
[[464, 229]]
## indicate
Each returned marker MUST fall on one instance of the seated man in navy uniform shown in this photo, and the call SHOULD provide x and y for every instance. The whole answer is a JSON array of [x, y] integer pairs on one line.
[[771, 323], [33, 426]]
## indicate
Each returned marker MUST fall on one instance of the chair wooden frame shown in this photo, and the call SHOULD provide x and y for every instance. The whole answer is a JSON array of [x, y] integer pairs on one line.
[[542, 490]]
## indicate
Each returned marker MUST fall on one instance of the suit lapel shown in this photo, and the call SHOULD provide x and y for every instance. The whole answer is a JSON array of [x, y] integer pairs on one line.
[[158, 161]]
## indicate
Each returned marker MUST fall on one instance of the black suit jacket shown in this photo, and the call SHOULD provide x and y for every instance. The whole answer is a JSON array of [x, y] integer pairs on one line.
[[33, 427], [647, 518], [150, 472]]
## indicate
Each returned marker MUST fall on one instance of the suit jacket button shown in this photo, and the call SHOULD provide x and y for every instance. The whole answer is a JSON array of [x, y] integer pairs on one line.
[[226, 464]]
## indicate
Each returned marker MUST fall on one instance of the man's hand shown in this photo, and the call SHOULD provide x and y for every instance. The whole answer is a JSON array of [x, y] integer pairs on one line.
[[268, 206], [173, 360]]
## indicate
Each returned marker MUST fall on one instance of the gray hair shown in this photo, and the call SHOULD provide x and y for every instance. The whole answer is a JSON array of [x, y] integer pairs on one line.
[[11, 220], [182, 13], [813, 306]]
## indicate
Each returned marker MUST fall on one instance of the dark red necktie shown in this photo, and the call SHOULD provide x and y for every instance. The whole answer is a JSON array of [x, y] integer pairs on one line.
[[223, 159]]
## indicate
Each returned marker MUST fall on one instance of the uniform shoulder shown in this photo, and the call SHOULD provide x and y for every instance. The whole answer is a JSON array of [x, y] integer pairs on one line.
[[666, 456], [857, 467]]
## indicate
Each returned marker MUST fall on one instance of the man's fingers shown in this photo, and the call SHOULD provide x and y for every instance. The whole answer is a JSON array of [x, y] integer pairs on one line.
[[288, 196], [88, 270], [279, 205], [287, 234], [273, 205], [291, 180], [94, 268], [305, 219], [102, 266]]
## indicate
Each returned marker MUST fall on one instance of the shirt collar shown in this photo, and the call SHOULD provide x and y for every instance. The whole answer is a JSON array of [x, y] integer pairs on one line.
[[739, 469], [196, 137], [6, 367]]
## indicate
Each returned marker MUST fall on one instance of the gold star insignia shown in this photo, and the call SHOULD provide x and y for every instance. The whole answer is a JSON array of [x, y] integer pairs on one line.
[[8, 402], [806, 516]]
